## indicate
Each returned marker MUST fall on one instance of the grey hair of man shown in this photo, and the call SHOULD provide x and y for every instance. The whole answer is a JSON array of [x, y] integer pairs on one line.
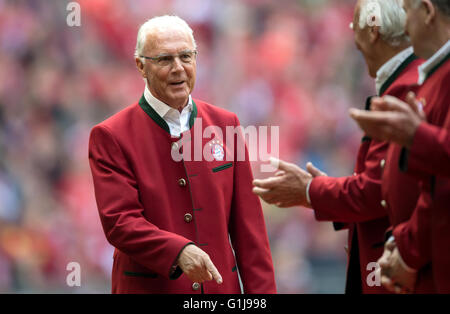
[[441, 5], [159, 24], [389, 15]]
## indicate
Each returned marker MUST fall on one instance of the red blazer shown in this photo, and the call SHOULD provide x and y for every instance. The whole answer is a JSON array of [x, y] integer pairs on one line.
[[151, 206], [355, 200], [426, 236], [396, 184]]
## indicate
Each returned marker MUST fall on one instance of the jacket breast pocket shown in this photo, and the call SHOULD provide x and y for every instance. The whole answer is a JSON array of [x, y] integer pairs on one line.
[[222, 167]]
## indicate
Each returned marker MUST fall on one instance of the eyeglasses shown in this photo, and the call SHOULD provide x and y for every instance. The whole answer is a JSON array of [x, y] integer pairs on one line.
[[163, 60]]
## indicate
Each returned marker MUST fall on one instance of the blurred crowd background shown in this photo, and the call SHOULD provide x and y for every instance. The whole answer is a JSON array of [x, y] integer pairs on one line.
[[286, 63]]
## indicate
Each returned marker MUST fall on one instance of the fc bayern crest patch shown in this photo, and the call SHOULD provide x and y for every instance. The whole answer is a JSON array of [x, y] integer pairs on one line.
[[217, 150]]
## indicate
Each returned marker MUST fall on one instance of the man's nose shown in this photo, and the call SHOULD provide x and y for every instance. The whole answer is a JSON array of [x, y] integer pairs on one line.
[[177, 65]]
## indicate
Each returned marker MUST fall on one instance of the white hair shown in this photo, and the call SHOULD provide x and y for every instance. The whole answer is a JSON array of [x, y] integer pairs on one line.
[[441, 5], [161, 23], [389, 16]]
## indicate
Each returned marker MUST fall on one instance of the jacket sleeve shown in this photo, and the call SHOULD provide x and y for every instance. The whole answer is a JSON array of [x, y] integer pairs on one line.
[[121, 212], [351, 199], [429, 153], [248, 230], [413, 237]]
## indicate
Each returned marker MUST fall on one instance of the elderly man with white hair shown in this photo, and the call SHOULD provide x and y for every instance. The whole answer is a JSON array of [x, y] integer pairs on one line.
[[178, 225], [355, 201]]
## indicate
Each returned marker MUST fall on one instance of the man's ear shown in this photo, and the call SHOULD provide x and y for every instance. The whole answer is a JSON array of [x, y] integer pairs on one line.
[[374, 34], [430, 11], [140, 66]]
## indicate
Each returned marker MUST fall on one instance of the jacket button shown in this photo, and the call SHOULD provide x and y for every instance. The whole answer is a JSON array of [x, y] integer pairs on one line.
[[188, 217], [382, 163], [383, 203], [182, 182], [195, 286]]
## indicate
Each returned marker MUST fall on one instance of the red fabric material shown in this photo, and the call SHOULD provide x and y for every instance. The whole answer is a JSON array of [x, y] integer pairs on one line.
[[430, 152], [427, 234], [142, 207]]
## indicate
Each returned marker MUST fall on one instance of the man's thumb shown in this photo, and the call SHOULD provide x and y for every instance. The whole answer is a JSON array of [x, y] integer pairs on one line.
[[314, 171], [413, 103]]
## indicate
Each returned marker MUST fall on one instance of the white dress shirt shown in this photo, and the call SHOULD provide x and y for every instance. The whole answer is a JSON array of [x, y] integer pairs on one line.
[[425, 67], [177, 122]]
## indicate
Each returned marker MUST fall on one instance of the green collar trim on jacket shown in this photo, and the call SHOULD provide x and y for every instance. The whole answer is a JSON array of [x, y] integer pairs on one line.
[[193, 114], [159, 120], [397, 72], [437, 66]]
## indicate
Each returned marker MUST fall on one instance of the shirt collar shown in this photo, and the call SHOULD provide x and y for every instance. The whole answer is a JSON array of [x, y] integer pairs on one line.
[[161, 108], [390, 67], [429, 65]]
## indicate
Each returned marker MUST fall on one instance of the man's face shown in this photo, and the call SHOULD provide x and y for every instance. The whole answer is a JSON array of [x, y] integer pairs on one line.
[[169, 81], [415, 26], [362, 40]]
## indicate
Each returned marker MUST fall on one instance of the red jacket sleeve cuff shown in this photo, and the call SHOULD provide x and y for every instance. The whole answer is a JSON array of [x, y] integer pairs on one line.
[[420, 160], [408, 246], [319, 202]]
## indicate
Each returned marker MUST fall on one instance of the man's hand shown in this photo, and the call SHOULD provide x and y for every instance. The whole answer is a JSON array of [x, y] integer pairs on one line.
[[197, 265], [391, 119], [287, 188], [394, 276], [384, 272]]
